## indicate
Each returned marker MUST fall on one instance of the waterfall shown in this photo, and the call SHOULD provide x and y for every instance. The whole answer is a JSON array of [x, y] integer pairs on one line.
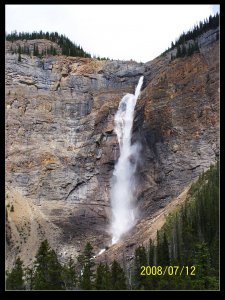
[[123, 181]]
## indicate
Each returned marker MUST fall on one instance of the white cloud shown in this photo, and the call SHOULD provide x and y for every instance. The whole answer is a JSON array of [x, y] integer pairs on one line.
[[138, 32]]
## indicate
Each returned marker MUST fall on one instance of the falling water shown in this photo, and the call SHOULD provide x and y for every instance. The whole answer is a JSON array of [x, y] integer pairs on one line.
[[123, 181]]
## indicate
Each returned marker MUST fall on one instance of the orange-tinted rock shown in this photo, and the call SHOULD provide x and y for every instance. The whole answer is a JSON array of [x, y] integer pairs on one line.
[[60, 143]]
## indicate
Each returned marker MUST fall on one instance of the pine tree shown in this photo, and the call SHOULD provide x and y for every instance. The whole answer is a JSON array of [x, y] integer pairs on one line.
[[36, 50], [151, 282], [151, 252], [99, 277], [178, 241], [196, 47], [201, 260], [139, 261], [106, 282], [87, 264], [165, 258], [178, 51], [204, 278], [102, 281], [69, 275], [14, 279], [183, 51], [118, 279], [190, 49], [51, 50], [19, 49], [158, 249], [47, 275]]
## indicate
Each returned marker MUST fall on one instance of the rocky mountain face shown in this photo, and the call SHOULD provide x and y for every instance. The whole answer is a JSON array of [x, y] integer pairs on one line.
[[29, 45], [61, 147]]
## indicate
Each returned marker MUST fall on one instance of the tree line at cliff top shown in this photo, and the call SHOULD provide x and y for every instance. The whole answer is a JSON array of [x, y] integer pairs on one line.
[[68, 47], [189, 239], [211, 23]]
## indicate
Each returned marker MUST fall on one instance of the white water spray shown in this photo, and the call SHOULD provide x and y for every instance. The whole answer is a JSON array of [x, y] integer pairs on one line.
[[123, 181], [101, 251]]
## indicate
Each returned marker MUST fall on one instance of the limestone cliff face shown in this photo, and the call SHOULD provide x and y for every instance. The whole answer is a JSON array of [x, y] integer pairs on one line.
[[61, 148], [178, 124]]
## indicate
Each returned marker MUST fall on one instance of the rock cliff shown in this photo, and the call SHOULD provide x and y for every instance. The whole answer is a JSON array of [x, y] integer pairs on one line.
[[61, 147]]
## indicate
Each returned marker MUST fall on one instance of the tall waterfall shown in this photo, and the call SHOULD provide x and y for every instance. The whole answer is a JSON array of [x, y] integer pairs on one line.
[[123, 181]]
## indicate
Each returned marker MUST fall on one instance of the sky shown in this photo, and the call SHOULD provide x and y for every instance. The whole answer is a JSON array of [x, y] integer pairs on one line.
[[137, 32]]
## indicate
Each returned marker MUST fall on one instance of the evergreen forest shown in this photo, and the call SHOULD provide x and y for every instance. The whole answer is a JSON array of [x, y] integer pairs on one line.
[[188, 241], [187, 43]]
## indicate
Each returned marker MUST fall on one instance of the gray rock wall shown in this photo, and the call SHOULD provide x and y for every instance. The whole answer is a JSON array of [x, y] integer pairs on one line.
[[60, 143]]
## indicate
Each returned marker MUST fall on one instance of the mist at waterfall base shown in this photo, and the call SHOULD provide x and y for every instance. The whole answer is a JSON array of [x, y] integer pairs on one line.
[[123, 181]]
